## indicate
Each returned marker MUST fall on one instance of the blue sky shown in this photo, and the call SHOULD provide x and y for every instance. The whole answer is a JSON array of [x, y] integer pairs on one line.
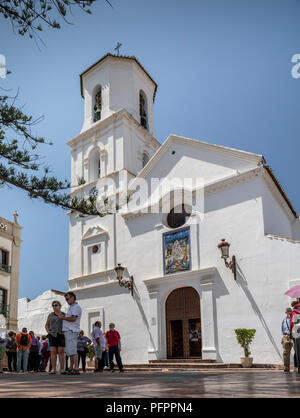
[[223, 70]]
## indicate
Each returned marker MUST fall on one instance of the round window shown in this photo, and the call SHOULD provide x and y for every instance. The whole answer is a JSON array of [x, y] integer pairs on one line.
[[177, 217], [95, 249]]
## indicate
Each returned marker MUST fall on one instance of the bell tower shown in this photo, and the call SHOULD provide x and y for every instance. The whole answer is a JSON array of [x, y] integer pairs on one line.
[[115, 143], [117, 82]]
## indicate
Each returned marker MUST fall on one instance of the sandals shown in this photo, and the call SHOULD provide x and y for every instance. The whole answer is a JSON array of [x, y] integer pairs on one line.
[[52, 372]]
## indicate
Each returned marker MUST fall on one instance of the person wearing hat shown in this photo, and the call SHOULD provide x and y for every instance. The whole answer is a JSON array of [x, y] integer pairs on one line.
[[287, 340]]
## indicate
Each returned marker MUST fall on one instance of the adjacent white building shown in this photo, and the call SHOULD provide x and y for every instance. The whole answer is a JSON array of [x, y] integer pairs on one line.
[[33, 313], [10, 244], [185, 301]]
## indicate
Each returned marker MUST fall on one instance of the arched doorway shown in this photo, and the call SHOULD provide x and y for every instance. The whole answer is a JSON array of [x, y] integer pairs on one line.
[[183, 323]]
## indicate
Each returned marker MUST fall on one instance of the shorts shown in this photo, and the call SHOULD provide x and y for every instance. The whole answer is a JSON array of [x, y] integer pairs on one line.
[[58, 341], [71, 339], [98, 351], [2, 352]]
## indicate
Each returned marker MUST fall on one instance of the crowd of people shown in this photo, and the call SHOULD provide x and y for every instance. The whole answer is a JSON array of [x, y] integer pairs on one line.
[[290, 339], [64, 343], [67, 345]]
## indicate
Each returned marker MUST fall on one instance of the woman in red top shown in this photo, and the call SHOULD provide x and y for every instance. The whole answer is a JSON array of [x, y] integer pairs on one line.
[[114, 347]]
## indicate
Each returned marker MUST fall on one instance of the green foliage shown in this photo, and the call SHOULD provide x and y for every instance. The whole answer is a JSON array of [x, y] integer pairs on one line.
[[21, 166], [27, 16], [244, 338], [81, 181], [90, 353]]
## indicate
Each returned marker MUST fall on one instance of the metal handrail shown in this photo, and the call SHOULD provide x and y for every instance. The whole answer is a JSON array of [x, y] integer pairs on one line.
[[5, 267], [4, 310]]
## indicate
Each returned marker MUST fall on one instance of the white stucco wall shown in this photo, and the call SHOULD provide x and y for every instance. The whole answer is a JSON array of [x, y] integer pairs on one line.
[[10, 241], [266, 268]]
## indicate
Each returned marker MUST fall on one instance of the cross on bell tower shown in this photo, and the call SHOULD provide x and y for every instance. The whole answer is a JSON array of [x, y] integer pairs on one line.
[[117, 48]]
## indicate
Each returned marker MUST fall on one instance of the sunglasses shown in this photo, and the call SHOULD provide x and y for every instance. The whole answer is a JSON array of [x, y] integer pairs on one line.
[[55, 305]]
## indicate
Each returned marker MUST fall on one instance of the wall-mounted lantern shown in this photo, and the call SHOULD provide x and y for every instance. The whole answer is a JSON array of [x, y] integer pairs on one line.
[[123, 282], [224, 247]]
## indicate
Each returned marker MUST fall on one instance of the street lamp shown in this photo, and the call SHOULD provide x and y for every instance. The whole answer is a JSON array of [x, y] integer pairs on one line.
[[123, 282], [224, 247]]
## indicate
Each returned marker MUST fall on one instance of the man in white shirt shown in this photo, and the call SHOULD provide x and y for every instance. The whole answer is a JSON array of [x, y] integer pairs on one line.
[[71, 329], [99, 344]]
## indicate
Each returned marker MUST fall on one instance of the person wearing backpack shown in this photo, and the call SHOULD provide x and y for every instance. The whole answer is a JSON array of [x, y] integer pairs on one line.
[[11, 351], [24, 343]]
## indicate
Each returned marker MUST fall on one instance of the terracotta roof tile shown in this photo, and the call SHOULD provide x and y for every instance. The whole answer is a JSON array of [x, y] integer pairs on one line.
[[280, 188]]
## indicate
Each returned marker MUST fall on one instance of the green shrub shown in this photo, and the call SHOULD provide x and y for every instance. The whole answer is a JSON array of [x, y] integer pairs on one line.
[[245, 337], [90, 353]]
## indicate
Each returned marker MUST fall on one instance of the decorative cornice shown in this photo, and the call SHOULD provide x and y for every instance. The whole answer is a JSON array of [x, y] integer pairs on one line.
[[102, 274], [89, 185], [282, 238], [235, 179], [112, 119], [152, 284], [232, 180], [94, 231], [209, 188], [242, 155]]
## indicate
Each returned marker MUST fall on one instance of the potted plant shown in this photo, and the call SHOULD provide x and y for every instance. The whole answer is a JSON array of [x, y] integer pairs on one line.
[[245, 337], [90, 355]]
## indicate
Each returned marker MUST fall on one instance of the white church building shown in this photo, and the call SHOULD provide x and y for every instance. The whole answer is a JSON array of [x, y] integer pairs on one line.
[[185, 302]]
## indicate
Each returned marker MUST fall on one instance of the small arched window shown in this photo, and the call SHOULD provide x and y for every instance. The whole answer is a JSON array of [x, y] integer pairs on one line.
[[97, 105], [146, 158], [95, 165], [143, 110]]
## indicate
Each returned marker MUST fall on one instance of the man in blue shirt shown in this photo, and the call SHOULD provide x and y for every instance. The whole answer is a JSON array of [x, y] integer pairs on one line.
[[286, 341]]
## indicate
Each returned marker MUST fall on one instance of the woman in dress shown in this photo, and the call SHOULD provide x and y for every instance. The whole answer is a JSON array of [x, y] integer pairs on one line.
[[56, 337]]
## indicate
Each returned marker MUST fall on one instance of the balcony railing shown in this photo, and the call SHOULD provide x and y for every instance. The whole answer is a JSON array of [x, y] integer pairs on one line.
[[5, 267], [4, 310]]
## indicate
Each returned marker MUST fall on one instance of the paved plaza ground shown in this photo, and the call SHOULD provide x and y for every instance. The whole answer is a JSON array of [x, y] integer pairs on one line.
[[196, 384]]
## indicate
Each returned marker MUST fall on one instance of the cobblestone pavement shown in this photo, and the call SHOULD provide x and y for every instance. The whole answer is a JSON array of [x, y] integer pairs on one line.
[[205, 384]]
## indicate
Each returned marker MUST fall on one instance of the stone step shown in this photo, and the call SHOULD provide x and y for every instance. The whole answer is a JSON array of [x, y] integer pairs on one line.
[[162, 366], [182, 366], [182, 360]]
